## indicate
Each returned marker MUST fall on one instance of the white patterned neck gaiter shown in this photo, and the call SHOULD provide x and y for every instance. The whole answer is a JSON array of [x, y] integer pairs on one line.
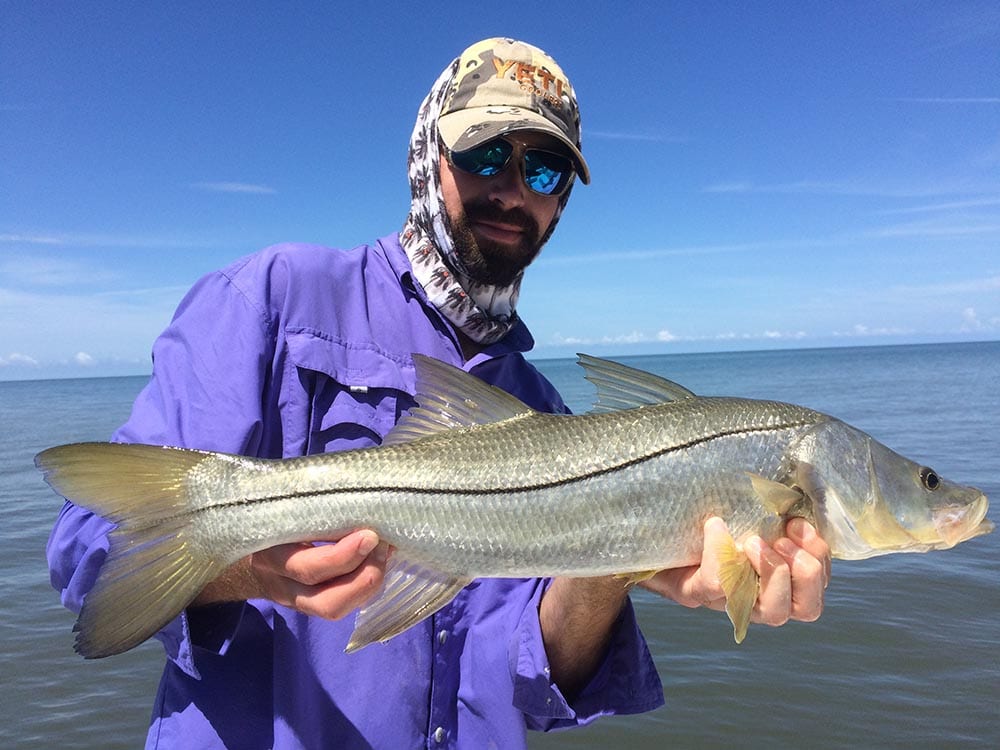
[[483, 312]]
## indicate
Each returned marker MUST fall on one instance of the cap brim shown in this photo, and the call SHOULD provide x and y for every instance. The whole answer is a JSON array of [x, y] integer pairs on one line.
[[471, 127]]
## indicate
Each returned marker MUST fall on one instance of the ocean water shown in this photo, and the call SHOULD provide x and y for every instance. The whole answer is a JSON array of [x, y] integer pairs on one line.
[[907, 653]]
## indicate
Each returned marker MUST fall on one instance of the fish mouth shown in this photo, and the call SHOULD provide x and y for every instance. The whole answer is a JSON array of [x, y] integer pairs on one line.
[[958, 523]]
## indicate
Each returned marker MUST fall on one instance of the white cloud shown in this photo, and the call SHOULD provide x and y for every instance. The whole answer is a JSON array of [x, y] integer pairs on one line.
[[624, 136], [26, 271], [947, 206], [849, 188], [18, 359], [88, 239], [729, 187], [81, 329], [664, 336], [972, 322], [30, 239], [234, 187], [860, 330], [963, 228], [794, 335], [950, 99], [986, 284]]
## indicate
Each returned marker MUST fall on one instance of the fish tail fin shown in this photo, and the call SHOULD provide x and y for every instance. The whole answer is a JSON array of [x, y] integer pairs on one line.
[[742, 586], [154, 567]]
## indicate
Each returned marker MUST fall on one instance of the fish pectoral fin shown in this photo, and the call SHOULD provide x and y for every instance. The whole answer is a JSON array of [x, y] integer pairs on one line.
[[776, 497], [636, 576], [742, 585], [411, 593]]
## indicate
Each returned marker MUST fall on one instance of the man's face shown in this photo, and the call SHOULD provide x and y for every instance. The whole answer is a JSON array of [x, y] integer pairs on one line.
[[497, 223]]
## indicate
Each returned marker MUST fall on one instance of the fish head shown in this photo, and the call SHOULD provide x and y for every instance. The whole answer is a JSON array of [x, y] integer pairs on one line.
[[868, 500]]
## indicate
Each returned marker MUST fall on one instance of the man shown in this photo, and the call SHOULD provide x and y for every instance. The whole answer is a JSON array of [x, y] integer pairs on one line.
[[303, 349]]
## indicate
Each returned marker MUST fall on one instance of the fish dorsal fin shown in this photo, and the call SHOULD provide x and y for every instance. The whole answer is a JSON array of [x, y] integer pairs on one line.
[[411, 593], [621, 387], [449, 397]]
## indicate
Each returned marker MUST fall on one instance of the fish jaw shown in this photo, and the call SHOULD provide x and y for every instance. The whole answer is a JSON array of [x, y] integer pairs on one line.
[[960, 523]]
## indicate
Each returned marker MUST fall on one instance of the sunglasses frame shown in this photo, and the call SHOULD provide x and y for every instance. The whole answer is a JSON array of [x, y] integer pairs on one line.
[[563, 182]]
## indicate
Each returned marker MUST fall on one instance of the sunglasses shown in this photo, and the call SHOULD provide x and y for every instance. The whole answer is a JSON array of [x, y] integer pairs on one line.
[[545, 172]]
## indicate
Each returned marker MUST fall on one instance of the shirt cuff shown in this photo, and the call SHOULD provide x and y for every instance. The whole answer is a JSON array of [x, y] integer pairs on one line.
[[625, 683]]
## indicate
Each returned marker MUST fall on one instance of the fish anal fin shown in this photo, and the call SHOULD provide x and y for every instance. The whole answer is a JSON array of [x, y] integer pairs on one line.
[[741, 584], [776, 497], [411, 593]]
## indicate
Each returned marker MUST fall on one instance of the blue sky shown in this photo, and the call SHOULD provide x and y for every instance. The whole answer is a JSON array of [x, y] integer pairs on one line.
[[764, 174]]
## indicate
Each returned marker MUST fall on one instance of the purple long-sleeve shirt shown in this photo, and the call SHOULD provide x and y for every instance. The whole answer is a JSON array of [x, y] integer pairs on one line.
[[303, 349]]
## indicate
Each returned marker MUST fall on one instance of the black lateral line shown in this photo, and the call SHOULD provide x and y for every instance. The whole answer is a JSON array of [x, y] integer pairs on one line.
[[508, 490]]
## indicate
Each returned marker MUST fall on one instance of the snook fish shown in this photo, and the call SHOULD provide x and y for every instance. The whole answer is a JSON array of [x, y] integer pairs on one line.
[[473, 483]]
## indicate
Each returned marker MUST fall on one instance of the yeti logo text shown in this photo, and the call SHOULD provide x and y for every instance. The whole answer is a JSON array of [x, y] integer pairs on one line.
[[533, 78]]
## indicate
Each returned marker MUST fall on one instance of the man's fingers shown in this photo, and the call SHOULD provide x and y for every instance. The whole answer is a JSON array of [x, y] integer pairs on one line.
[[809, 579], [340, 596], [327, 580], [312, 564], [805, 535], [774, 602]]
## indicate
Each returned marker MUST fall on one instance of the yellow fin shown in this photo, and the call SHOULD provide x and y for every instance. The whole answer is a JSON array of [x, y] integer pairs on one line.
[[638, 576], [742, 585], [153, 569], [448, 398], [411, 593], [776, 497]]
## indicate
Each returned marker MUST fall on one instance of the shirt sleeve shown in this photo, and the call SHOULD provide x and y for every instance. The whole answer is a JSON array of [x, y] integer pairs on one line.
[[205, 392], [626, 682]]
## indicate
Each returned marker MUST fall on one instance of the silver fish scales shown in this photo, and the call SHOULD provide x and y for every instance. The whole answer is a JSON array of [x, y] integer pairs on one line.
[[473, 483]]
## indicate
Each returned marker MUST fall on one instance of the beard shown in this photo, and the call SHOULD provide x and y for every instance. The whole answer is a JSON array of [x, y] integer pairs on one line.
[[494, 263]]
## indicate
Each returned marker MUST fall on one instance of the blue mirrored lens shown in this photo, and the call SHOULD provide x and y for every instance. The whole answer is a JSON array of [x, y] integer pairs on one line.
[[486, 160], [545, 172]]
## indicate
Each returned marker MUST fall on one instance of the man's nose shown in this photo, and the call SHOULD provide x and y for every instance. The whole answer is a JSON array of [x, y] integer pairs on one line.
[[508, 188]]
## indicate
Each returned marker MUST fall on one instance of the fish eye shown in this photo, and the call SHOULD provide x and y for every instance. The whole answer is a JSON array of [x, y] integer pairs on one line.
[[929, 479]]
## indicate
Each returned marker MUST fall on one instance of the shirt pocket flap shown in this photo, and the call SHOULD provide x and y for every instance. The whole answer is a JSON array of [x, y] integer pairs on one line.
[[355, 366], [356, 393]]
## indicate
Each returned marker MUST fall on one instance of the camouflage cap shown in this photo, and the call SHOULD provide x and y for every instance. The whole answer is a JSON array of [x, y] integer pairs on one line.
[[502, 86]]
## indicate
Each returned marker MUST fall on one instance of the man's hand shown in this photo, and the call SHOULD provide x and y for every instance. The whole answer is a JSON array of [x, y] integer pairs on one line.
[[794, 573], [326, 580]]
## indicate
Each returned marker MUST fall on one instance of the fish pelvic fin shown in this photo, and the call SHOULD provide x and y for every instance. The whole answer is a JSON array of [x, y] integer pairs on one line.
[[636, 576], [741, 584], [411, 593], [153, 568]]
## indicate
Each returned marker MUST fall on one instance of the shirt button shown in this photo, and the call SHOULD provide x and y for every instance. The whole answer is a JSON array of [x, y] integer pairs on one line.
[[439, 735], [442, 637]]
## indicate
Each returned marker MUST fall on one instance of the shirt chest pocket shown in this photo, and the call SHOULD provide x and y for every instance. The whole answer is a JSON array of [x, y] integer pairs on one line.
[[355, 394]]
